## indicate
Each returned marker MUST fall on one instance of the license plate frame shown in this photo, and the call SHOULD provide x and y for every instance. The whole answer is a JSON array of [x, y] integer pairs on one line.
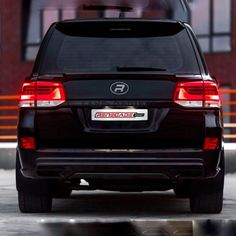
[[119, 114]]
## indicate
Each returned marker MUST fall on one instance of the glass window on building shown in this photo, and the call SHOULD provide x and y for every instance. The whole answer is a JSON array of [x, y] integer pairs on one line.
[[211, 21], [37, 18], [38, 15]]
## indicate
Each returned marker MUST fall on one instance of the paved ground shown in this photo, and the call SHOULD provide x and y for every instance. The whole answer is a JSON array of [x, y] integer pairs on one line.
[[103, 206]]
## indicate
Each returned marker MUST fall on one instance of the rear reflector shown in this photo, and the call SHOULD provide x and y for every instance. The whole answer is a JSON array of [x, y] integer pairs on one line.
[[211, 143], [42, 94], [197, 94], [27, 143]]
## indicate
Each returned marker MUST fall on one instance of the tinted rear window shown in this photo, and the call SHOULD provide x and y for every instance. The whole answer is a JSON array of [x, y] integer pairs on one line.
[[84, 48]]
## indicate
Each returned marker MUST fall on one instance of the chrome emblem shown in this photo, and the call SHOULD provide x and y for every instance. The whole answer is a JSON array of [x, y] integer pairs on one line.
[[119, 88]]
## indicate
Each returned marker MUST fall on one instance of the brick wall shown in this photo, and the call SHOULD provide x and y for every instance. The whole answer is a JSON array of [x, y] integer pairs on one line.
[[12, 68], [223, 65]]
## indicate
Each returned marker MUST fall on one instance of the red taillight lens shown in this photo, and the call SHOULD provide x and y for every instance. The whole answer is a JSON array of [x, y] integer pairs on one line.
[[197, 94], [212, 97], [42, 94], [189, 94], [27, 143], [211, 143], [27, 97]]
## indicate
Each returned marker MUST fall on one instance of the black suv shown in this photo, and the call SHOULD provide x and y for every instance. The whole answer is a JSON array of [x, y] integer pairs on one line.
[[125, 105]]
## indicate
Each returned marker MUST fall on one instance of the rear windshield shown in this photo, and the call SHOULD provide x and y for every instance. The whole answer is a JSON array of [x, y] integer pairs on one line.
[[80, 48]]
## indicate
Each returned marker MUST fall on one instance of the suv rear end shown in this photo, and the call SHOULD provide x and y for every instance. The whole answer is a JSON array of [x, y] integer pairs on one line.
[[127, 105]]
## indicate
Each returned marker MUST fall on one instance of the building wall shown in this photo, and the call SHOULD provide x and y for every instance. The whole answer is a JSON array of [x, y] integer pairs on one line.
[[13, 70], [223, 65]]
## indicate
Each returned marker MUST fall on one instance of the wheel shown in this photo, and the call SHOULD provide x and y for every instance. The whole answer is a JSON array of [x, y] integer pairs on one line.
[[182, 190], [30, 203], [207, 195], [33, 195]]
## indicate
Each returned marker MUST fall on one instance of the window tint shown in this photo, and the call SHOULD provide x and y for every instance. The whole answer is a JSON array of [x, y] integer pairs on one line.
[[75, 54]]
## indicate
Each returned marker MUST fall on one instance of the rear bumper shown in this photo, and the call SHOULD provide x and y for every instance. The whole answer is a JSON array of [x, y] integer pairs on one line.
[[71, 164]]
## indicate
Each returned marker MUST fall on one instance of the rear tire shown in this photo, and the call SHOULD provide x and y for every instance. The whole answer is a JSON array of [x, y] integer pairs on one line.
[[207, 195], [207, 203], [30, 203], [34, 195]]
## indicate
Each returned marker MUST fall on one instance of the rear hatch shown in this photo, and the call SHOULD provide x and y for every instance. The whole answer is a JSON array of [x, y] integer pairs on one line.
[[119, 79]]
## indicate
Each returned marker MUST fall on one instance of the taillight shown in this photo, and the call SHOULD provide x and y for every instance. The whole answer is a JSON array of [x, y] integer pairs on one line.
[[211, 143], [212, 97], [27, 97], [27, 143], [197, 94], [42, 94]]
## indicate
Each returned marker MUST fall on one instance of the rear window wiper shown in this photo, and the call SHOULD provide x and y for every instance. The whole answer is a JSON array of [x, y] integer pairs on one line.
[[138, 68]]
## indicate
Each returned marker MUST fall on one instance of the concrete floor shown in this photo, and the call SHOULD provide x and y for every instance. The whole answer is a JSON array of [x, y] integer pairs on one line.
[[101, 206]]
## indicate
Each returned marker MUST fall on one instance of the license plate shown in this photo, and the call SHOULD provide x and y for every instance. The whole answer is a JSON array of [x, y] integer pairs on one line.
[[119, 114]]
